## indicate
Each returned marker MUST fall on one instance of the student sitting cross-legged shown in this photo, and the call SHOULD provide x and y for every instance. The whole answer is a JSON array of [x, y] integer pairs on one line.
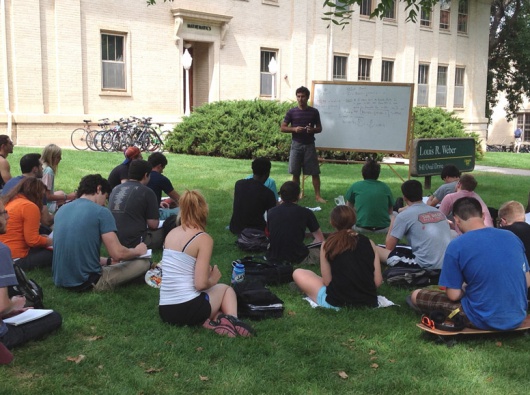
[[191, 293], [349, 264]]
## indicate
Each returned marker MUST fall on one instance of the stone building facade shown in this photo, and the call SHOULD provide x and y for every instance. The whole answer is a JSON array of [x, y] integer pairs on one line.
[[65, 61]]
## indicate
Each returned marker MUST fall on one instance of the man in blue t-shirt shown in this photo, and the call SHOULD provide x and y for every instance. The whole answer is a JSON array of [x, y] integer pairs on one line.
[[303, 122], [160, 183], [517, 134], [485, 273]]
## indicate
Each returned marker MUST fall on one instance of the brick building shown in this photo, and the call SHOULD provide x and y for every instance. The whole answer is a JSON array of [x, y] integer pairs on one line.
[[66, 61]]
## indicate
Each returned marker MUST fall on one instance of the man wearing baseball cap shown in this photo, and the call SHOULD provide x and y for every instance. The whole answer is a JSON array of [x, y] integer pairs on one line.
[[120, 173]]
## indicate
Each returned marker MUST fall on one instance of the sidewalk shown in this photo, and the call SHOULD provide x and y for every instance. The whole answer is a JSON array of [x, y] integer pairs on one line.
[[503, 170]]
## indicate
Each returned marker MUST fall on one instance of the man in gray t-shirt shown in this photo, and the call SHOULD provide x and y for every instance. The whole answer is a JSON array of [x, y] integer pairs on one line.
[[450, 175], [425, 228]]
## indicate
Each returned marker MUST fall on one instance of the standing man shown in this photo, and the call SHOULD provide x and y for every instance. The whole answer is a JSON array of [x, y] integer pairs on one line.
[[518, 140], [303, 122], [6, 148]]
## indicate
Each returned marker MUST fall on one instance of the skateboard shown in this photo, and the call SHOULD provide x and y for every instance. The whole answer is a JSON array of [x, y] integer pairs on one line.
[[444, 335]]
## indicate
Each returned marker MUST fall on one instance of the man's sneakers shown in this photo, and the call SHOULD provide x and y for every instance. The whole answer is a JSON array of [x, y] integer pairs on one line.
[[228, 325]]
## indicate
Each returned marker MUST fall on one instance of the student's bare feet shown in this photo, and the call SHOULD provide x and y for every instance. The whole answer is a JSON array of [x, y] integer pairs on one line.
[[320, 199]]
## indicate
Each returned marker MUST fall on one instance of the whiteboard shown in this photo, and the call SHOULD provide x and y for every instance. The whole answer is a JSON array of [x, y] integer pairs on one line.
[[361, 116]]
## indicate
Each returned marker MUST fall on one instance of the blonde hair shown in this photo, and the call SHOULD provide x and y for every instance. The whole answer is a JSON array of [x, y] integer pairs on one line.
[[193, 210], [511, 211], [50, 153]]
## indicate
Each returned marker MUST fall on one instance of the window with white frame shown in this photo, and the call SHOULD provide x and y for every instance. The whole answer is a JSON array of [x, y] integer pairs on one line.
[[265, 86], [463, 6], [340, 64], [423, 85], [364, 69], [425, 18], [523, 123], [366, 7], [445, 14], [113, 62], [387, 71], [391, 12], [460, 73], [441, 87]]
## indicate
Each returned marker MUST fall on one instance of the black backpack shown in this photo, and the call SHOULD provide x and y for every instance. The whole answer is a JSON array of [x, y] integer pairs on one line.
[[410, 277], [257, 302], [259, 269], [252, 240], [28, 288]]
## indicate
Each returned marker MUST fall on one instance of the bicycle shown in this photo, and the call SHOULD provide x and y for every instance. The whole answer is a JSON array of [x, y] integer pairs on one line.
[[79, 136]]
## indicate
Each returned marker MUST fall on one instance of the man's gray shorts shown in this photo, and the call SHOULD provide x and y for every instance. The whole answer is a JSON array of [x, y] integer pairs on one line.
[[303, 156]]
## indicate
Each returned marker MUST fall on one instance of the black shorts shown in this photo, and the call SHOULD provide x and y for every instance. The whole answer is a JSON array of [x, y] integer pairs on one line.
[[193, 312]]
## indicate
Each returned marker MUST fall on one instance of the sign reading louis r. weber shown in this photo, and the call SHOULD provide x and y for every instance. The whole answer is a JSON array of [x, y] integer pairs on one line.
[[429, 156]]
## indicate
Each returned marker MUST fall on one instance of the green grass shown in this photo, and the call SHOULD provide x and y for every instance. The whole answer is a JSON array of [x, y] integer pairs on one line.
[[381, 350], [505, 159]]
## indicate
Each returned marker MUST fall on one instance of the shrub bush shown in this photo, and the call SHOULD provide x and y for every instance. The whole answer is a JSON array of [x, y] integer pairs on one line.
[[245, 129]]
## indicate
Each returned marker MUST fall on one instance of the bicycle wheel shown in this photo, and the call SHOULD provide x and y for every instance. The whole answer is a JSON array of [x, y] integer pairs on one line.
[[79, 139], [163, 138], [107, 141], [151, 140]]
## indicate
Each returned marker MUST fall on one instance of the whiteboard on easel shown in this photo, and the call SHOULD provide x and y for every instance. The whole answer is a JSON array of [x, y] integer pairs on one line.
[[360, 116]]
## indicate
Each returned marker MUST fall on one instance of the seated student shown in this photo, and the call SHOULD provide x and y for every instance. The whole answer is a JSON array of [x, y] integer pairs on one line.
[[135, 208], [287, 224], [269, 183], [121, 172], [450, 176], [51, 157], [252, 199], [191, 293], [159, 182], [527, 210], [6, 148], [349, 264], [24, 204], [485, 273], [465, 188], [30, 166], [372, 200], [80, 228], [512, 218], [15, 335], [426, 229]]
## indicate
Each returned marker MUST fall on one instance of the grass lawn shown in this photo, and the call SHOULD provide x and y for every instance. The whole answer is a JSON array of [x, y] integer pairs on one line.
[[128, 350]]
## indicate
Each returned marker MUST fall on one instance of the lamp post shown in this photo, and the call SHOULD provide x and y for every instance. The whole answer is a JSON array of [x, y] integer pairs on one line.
[[273, 69], [186, 63]]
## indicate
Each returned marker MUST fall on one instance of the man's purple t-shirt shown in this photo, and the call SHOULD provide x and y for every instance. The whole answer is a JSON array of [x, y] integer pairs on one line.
[[298, 117]]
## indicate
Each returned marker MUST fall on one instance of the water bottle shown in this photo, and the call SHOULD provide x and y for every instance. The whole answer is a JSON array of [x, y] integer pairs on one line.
[[238, 273]]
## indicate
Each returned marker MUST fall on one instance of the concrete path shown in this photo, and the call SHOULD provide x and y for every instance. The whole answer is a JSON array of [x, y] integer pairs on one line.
[[502, 170]]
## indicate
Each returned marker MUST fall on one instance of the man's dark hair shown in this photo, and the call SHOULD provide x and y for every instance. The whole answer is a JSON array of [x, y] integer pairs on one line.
[[261, 167], [467, 207], [139, 168], [371, 170], [450, 171], [28, 162], [89, 185], [412, 190], [290, 191], [4, 138], [468, 182], [303, 90], [157, 158]]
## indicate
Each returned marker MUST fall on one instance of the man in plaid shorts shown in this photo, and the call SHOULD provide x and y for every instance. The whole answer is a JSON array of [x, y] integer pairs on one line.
[[485, 272]]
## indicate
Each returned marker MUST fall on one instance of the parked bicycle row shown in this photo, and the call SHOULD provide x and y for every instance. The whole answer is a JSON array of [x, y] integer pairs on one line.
[[120, 134]]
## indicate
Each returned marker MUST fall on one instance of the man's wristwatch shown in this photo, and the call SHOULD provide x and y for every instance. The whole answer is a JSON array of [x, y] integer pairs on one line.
[[109, 261]]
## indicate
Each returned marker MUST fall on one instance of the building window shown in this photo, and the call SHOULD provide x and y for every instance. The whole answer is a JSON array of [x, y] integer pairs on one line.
[[423, 85], [113, 62], [387, 71], [364, 69], [441, 87], [462, 16], [391, 12], [340, 64], [460, 72], [523, 123], [445, 14], [265, 87], [425, 18], [366, 7]]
